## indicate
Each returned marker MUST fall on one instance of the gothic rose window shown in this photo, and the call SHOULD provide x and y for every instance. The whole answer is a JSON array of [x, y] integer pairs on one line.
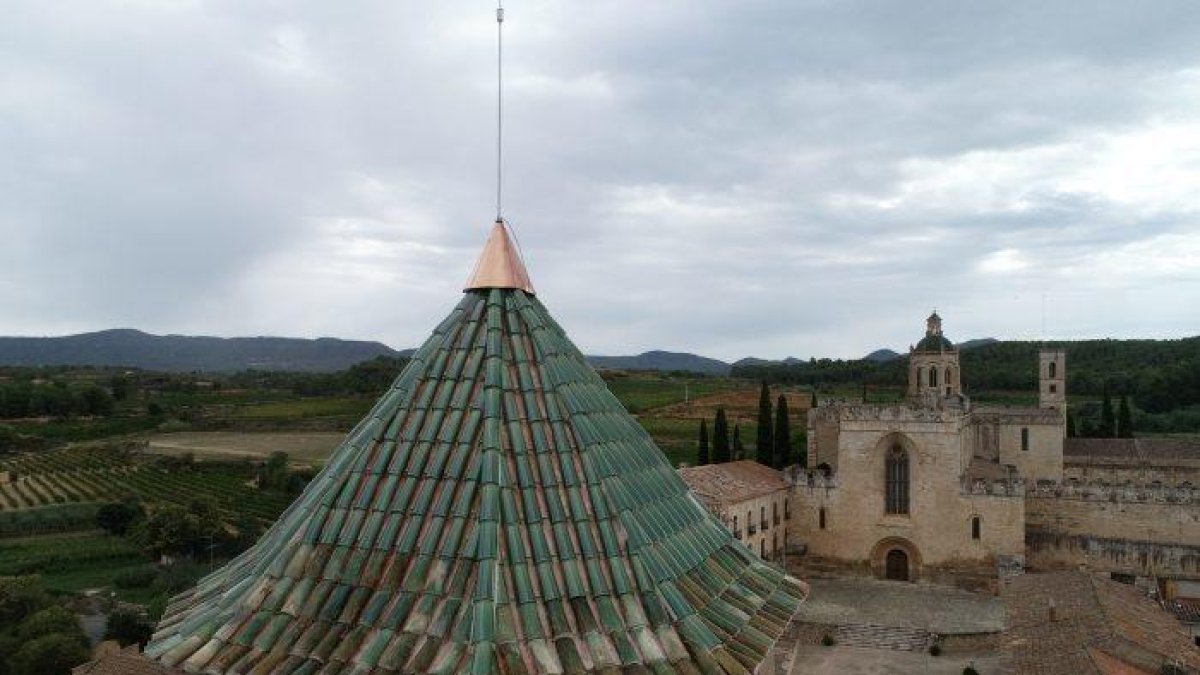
[[897, 481]]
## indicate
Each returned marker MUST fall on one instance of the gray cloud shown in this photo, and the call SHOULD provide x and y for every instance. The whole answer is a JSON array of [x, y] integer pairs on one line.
[[762, 177]]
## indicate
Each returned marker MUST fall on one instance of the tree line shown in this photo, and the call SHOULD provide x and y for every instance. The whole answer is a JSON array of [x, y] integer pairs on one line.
[[1158, 375], [775, 445]]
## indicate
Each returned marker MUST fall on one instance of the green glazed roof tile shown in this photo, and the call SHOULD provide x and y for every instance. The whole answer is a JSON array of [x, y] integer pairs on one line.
[[497, 511]]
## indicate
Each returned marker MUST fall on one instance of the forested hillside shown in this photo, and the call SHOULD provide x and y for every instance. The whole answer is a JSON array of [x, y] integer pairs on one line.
[[1159, 375]]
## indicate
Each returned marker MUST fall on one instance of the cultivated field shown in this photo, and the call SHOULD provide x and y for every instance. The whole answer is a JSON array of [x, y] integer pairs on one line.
[[302, 447]]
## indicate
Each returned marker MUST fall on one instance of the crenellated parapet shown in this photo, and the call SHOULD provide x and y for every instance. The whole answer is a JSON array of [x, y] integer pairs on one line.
[[995, 487], [874, 412], [1132, 494]]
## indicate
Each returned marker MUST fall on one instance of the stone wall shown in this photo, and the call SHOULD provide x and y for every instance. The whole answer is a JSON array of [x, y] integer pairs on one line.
[[936, 533], [1142, 530]]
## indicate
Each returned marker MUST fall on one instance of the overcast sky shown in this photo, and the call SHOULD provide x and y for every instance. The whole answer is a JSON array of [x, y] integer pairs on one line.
[[731, 178]]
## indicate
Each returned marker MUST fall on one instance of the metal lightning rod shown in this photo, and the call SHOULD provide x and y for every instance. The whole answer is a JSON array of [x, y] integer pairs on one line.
[[499, 111]]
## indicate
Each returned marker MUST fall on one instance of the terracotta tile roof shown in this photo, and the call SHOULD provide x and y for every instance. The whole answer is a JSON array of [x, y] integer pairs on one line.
[[498, 511], [127, 661], [1092, 615], [732, 482], [1132, 449], [1185, 609]]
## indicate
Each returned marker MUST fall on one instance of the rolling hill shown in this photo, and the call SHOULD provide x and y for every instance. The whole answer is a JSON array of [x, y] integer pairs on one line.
[[180, 353]]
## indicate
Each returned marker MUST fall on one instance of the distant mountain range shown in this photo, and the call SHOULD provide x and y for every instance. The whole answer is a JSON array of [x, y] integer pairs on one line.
[[660, 360], [182, 353], [885, 355]]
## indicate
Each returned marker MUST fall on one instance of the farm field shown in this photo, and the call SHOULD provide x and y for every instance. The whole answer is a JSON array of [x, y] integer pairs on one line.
[[302, 447], [59, 490]]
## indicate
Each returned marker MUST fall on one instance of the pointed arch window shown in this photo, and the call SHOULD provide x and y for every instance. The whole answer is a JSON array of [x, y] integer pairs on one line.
[[897, 481]]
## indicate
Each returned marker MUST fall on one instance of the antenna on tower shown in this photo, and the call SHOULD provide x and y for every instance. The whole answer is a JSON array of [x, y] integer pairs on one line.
[[499, 111]]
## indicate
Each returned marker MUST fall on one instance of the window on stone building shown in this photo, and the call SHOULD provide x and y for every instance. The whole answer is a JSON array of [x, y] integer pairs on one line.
[[975, 527], [948, 379], [1053, 388], [762, 548], [750, 529], [774, 513], [897, 481], [933, 373], [775, 545], [821, 518], [736, 532], [787, 510], [1053, 369], [762, 517], [1025, 439]]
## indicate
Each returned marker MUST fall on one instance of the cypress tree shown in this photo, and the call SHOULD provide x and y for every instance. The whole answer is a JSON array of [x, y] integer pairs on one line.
[[739, 452], [1108, 420], [720, 452], [702, 449], [783, 434], [1124, 419], [764, 448], [1071, 426]]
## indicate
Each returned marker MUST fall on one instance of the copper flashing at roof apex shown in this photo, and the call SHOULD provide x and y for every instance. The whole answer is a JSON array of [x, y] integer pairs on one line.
[[500, 264]]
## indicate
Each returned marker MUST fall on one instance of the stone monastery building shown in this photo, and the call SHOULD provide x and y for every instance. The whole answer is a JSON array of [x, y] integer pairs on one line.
[[932, 488], [940, 489]]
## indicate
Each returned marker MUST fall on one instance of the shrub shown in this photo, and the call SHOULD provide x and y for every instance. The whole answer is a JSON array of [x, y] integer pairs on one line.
[[828, 640], [128, 628], [970, 670], [53, 654], [935, 649]]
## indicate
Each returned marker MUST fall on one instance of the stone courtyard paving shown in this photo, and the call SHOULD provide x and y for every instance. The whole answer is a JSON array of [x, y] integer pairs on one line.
[[842, 607], [937, 609], [818, 660]]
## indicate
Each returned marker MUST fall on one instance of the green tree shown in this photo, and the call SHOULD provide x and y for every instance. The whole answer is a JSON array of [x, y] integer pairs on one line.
[[121, 387], [1108, 420], [702, 447], [739, 452], [274, 474], [20, 597], [128, 628], [53, 654], [720, 453], [171, 530], [783, 434], [1124, 419], [764, 448], [116, 517], [96, 401], [53, 619]]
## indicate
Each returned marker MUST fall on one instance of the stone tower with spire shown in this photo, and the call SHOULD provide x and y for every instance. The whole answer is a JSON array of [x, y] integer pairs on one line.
[[933, 370]]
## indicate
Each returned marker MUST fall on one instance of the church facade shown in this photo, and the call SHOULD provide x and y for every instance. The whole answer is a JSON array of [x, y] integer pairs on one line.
[[932, 488]]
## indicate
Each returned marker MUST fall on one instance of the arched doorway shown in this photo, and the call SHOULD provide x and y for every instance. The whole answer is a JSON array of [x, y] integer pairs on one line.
[[896, 565], [897, 559]]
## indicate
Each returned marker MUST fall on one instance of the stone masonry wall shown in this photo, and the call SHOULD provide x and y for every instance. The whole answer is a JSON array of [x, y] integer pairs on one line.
[[1149, 531]]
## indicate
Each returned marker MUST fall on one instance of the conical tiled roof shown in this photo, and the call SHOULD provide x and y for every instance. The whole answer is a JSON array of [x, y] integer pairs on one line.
[[498, 511]]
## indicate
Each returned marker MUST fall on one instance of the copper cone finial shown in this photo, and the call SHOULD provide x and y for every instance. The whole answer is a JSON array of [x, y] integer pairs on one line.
[[500, 264]]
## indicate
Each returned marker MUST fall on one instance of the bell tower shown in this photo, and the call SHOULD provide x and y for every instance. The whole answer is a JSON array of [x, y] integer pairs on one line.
[[1052, 378], [933, 372]]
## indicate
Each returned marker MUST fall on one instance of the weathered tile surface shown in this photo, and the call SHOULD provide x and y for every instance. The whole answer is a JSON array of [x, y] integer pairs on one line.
[[498, 511]]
